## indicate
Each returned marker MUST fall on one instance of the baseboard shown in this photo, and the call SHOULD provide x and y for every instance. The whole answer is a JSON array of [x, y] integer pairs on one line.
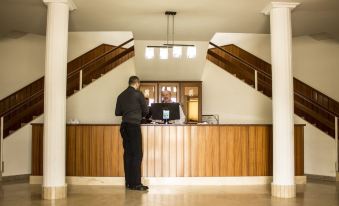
[[16, 178], [262, 180], [321, 177]]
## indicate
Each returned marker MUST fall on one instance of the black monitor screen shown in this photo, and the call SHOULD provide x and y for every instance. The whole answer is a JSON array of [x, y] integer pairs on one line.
[[161, 110]]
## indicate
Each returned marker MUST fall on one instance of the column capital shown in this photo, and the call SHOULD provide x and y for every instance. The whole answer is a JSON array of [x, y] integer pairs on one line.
[[70, 3], [274, 4]]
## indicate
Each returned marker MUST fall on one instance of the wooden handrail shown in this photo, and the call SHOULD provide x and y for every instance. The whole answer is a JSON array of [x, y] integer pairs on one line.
[[41, 92], [95, 59], [21, 89], [316, 104], [318, 92], [20, 104], [242, 61]]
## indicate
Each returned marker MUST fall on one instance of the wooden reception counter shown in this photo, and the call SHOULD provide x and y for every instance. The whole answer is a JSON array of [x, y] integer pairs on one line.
[[171, 150]]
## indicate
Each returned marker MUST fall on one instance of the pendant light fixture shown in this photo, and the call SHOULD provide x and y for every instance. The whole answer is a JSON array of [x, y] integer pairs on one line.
[[176, 48]]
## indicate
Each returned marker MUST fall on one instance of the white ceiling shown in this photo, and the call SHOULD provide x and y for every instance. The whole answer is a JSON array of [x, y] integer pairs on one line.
[[197, 20]]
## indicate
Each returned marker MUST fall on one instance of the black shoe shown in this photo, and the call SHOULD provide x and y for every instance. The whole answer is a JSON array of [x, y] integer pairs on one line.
[[140, 187], [127, 186]]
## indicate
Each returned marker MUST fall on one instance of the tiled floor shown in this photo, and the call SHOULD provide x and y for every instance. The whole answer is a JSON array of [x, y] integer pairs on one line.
[[312, 194]]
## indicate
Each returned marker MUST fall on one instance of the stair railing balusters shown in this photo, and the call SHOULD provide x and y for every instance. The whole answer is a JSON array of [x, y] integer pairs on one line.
[[256, 79], [336, 140], [80, 80], [1, 144]]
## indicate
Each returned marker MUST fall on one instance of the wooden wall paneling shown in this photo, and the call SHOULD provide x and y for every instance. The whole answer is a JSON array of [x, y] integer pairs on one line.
[[108, 146], [299, 150], [260, 154], [180, 151], [265, 142], [117, 157], [86, 148], [173, 151], [194, 152], [231, 151], [253, 149], [223, 150], [158, 135], [270, 152], [79, 167], [166, 152], [70, 150], [150, 151], [187, 151], [121, 170], [37, 150], [208, 151], [201, 151], [244, 150], [215, 151], [100, 153], [93, 152], [145, 151]]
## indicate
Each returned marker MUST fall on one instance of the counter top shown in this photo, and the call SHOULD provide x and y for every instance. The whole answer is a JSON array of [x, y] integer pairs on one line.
[[111, 124]]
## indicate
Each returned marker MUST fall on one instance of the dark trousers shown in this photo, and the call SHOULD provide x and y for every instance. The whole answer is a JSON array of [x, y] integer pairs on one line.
[[132, 142]]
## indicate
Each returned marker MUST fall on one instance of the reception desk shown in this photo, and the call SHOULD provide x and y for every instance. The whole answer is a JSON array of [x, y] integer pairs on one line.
[[171, 150]]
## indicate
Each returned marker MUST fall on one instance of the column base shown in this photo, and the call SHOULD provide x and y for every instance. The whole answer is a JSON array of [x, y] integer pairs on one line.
[[53, 193], [283, 191]]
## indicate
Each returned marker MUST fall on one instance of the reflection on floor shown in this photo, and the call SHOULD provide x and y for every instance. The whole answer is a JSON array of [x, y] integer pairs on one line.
[[314, 193]]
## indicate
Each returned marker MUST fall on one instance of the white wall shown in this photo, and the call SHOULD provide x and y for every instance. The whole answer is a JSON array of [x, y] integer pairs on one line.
[[233, 100], [18, 151], [317, 64], [96, 102], [236, 102], [21, 62], [81, 42]]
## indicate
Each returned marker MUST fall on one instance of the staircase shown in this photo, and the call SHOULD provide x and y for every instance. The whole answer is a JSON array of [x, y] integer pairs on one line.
[[309, 103], [24, 105]]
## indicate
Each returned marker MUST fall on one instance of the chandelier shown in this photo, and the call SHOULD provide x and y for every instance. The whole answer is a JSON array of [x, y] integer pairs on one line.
[[170, 47]]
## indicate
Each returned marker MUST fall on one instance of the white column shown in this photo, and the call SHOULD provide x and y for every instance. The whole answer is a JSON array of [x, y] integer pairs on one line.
[[282, 99], [54, 186]]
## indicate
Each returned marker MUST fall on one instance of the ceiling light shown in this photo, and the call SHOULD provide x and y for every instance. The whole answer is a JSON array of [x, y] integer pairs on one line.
[[149, 53], [177, 48], [177, 51], [163, 53], [191, 52]]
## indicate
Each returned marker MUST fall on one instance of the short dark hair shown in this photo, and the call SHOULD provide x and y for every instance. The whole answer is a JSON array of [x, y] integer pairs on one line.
[[133, 79]]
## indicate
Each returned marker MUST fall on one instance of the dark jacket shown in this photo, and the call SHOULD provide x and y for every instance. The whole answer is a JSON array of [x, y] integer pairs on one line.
[[131, 105]]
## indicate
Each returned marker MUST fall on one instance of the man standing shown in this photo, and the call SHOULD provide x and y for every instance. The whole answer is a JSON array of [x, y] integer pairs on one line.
[[132, 107]]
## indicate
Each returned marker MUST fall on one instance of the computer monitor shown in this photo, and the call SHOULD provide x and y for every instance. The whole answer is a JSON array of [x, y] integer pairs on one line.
[[165, 111]]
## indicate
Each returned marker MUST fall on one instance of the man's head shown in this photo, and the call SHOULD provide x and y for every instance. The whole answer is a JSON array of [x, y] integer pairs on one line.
[[166, 96], [134, 81]]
